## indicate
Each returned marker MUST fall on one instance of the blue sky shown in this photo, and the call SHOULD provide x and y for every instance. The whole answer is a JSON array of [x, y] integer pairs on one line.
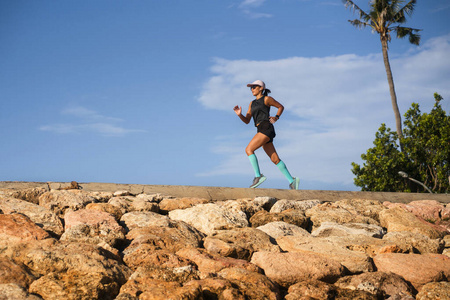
[[142, 91]]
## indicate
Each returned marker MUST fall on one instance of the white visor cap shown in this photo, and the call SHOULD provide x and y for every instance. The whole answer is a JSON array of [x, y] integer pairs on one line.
[[259, 83]]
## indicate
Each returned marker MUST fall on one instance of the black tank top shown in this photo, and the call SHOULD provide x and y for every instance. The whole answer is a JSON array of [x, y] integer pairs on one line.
[[260, 111]]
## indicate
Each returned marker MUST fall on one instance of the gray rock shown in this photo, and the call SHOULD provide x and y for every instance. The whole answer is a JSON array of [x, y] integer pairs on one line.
[[333, 229]]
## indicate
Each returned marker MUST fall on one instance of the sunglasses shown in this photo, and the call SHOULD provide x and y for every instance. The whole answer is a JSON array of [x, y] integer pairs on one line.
[[254, 87]]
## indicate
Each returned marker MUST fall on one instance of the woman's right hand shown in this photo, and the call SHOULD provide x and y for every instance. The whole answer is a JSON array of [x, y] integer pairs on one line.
[[238, 110]]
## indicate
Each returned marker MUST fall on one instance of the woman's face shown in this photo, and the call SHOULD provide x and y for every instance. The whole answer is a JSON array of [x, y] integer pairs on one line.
[[256, 89]]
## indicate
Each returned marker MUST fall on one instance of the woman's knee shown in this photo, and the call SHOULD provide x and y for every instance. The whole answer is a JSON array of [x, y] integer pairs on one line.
[[275, 160], [249, 151]]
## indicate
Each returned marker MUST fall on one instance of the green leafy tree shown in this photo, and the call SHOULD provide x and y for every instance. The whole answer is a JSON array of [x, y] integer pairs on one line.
[[384, 17], [425, 156]]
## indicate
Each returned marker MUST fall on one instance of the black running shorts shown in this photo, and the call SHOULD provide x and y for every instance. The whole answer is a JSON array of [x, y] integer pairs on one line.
[[266, 128]]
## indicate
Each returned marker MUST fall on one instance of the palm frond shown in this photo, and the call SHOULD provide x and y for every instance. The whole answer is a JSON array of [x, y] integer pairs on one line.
[[409, 7], [402, 12], [414, 39], [358, 23], [384, 17], [396, 5], [355, 8], [412, 33]]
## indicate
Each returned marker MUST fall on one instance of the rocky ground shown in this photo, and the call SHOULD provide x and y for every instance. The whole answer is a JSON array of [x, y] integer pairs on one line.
[[74, 244]]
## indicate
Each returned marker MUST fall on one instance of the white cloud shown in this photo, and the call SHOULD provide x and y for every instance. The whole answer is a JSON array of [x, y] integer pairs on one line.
[[252, 3], [84, 113], [334, 105], [248, 8], [88, 121]]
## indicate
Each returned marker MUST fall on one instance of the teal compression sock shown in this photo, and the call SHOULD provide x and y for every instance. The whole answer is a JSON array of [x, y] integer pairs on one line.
[[282, 167], [255, 165]]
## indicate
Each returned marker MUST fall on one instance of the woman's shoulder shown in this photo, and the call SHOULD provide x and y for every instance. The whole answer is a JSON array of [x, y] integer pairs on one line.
[[268, 99]]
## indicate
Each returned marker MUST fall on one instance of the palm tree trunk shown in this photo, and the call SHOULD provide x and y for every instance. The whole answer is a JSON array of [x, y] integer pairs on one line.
[[398, 118]]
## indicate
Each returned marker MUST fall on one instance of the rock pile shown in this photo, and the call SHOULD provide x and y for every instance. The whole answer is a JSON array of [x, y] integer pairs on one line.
[[73, 244]]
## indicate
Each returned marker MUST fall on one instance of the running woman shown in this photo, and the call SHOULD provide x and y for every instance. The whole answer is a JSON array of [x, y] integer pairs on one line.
[[259, 109]]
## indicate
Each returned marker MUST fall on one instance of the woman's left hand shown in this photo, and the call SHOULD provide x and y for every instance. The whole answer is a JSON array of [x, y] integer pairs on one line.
[[273, 119]]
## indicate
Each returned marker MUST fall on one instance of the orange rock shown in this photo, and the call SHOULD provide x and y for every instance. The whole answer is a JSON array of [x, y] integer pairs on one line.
[[419, 269], [19, 228]]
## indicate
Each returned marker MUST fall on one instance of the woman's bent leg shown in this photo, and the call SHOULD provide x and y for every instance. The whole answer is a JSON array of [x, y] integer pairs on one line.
[[254, 162], [272, 153], [282, 167], [257, 141]]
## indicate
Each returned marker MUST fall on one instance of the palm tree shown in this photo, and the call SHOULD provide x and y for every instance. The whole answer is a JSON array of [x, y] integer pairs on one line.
[[384, 17]]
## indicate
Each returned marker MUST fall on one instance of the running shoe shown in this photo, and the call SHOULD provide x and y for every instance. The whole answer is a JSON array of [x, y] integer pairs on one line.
[[294, 184], [257, 181]]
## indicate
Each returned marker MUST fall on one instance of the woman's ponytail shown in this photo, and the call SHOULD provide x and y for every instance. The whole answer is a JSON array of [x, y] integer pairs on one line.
[[266, 92]]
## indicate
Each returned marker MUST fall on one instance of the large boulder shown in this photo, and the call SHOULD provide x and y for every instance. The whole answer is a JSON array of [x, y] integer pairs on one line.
[[151, 289], [330, 212], [172, 239], [252, 284], [365, 207], [246, 205], [217, 288], [139, 219], [354, 261], [411, 242], [180, 274], [30, 195], [291, 216], [362, 243], [169, 204], [282, 205], [10, 272], [70, 270], [59, 201], [15, 228], [290, 268], [146, 255], [334, 229], [434, 291], [415, 268], [106, 207], [398, 219], [210, 217], [311, 289], [265, 202], [92, 226], [381, 284], [316, 289], [429, 210], [278, 229], [210, 263], [239, 243], [41, 216], [131, 203], [12, 291]]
